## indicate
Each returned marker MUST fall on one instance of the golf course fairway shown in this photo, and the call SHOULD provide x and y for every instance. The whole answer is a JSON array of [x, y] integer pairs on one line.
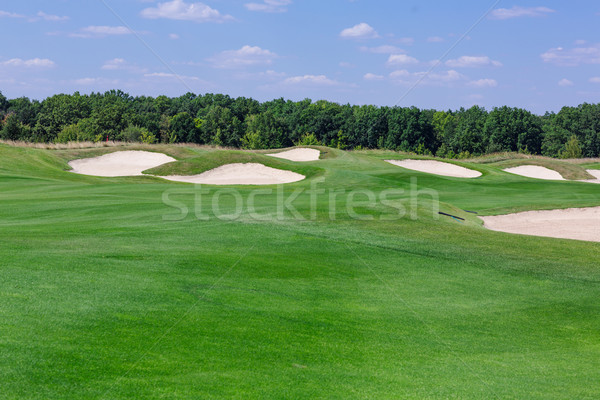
[[130, 288]]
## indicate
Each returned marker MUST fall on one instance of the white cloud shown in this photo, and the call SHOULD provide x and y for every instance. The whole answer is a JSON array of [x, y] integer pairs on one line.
[[38, 17], [401, 59], [384, 49], [373, 77], [95, 82], [472, 62], [160, 75], [50, 17], [595, 79], [516, 12], [405, 40], [32, 63], [7, 14], [360, 31], [565, 82], [345, 64], [475, 97], [269, 75], [245, 57], [101, 31], [316, 80], [483, 83], [269, 6], [436, 39], [179, 10], [447, 78], [173, 36], [573, 57], [119, 64]]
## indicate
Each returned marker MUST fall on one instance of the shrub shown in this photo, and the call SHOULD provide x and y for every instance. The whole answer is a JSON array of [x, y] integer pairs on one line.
[[69, 133], [572, 149], [309, 139], [133, 133]]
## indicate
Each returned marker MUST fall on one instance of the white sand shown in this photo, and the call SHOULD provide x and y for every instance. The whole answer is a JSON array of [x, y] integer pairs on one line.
[[535, 171], [241, 174], [574, 223], [437, 168], [595, 173], [298, 155], [120, 163]]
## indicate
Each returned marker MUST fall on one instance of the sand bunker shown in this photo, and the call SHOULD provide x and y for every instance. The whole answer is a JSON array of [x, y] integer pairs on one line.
[[120, 163], [241, 174], [574, 223], [437, 168], [298, 155], [537, 172], [595, 173]]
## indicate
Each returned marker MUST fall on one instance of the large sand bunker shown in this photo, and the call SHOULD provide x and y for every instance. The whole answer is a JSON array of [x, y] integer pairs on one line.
[[535, 171], [120, 163], [437, 168], [573, 223], [298, 155], [241, 174]]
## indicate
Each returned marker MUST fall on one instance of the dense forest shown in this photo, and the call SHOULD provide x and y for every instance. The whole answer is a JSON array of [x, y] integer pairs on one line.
[[246, 123]]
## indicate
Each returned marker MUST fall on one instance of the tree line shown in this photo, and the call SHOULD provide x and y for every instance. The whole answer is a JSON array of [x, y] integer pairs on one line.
[[242, 122]]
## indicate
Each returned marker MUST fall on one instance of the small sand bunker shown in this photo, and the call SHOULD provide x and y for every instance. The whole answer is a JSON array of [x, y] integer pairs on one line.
[[573, 223], [595, 173], [120, 163], [437, 168], [298, 155], [241, 174], [535, 171]]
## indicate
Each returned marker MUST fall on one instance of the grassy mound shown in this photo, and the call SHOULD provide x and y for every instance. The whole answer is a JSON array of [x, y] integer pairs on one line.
[[212, 159]]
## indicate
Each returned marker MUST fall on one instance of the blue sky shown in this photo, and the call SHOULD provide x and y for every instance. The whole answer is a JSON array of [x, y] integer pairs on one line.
[[540, 55]]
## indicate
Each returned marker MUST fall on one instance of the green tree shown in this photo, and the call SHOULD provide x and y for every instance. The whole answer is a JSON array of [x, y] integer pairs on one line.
[[221, 127], [469, 134], [69, 133], [183, 129], [264, 131], [133, 133], [513, 129], [13, 129], [309, 139], [3, 104], [572, 148]]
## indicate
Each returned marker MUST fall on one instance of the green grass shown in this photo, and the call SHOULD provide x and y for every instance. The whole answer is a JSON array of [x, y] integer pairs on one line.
[[208, 160], [102, 298]]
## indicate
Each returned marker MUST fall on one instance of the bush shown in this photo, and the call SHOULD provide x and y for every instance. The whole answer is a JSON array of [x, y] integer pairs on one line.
[[12, 128], [69, 133], [133, 133], [572, 149], [147, 137], [309, 139]]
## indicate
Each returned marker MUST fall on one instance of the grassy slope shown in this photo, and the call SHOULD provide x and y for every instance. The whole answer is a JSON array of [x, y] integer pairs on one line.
[[208, 160], [102, 298]]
